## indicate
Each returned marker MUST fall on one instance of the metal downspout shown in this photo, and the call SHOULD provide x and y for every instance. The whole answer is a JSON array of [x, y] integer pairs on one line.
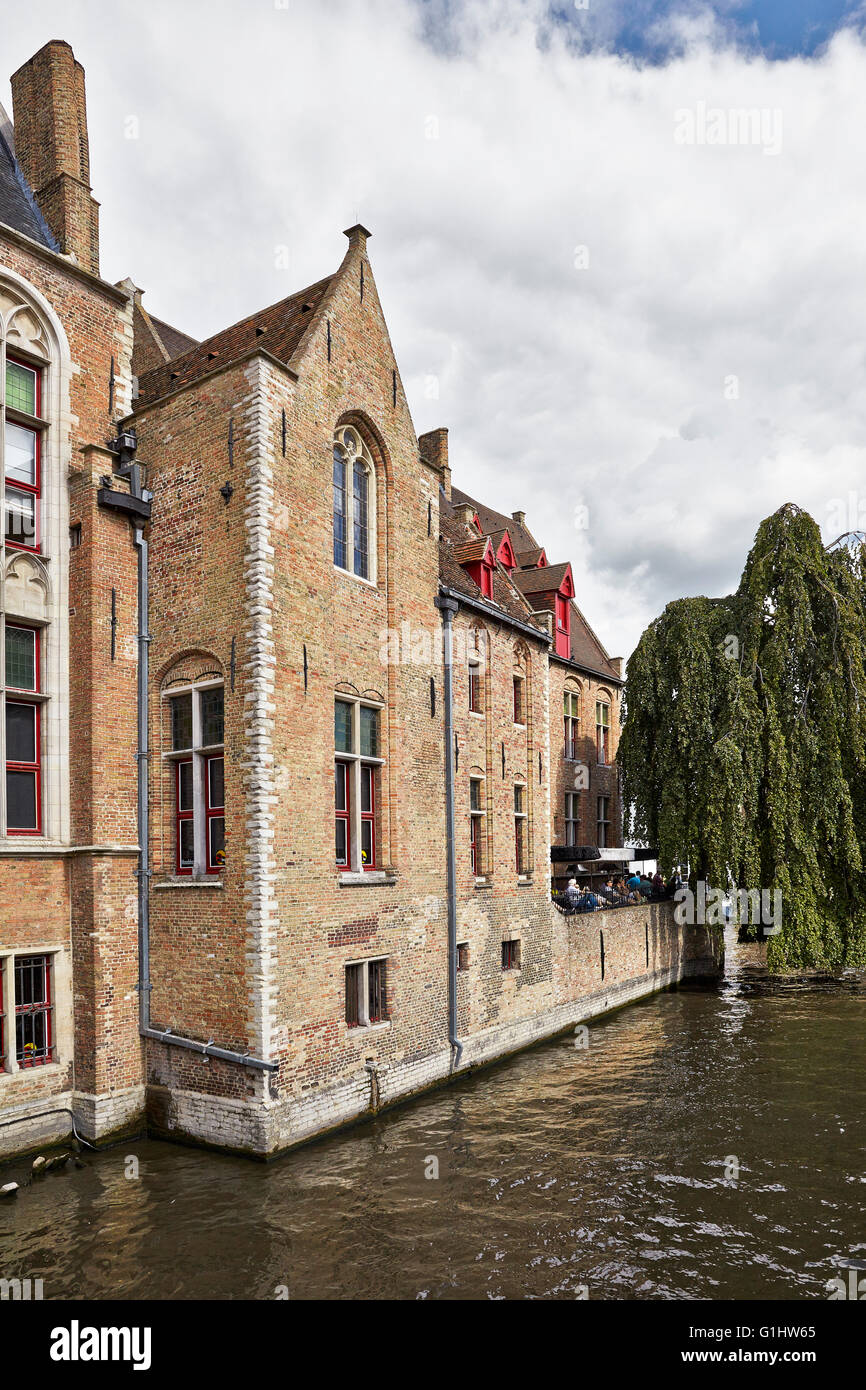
[[142, 758], [448, 607]]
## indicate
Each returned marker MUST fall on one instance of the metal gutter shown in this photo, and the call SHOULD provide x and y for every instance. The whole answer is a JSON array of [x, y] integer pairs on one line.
[[489, 610]]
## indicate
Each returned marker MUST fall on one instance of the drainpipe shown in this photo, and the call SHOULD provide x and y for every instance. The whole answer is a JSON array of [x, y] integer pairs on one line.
[[142, 759], [448, 607]]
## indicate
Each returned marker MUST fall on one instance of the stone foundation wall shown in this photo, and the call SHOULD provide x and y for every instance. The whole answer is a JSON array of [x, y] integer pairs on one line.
[[261, 1125]]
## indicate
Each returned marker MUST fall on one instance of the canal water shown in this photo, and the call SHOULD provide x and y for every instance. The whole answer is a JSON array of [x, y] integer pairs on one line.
[[706, 1143]]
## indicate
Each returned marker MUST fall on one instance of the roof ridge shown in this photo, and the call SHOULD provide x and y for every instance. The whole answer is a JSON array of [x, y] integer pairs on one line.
[[231, 327]]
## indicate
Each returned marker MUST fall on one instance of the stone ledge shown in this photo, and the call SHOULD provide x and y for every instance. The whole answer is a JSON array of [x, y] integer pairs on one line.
[[185, 883]]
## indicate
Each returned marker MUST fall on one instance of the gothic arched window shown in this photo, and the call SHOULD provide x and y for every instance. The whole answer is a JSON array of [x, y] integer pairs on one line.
[[354, 505]]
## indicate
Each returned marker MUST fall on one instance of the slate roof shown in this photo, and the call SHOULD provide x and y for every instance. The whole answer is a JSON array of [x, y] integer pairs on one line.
[[279, 329], [18, 208]]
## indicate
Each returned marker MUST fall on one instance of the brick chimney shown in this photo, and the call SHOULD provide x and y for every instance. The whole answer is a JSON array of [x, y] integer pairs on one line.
[[434, 448], [50, 117]]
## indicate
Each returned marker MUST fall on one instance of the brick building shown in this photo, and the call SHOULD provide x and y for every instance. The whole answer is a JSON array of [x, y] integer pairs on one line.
[[268, 857]]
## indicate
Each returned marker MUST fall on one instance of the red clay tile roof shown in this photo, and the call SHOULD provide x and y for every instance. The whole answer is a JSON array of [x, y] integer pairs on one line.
[[586, 650], [278, 329], [491, 521], [470, 552], [528, 559], [528, 584], [454, 539], [544, 581]]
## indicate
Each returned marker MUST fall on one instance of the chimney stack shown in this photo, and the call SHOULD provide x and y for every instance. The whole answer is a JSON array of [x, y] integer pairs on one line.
[[434, 449], [519, 517], [51, 145]]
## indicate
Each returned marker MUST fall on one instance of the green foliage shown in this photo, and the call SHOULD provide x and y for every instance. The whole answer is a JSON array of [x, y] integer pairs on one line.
[[745, 739]]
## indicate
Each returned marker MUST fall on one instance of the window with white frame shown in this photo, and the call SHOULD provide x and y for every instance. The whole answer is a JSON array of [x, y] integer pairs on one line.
[[354, 505], [477, 826], [196, 724], [521, 830], [571, 716], [27, 1033], [21, 453], [357, 779], [602, 731], [572, 818], [366, 993]]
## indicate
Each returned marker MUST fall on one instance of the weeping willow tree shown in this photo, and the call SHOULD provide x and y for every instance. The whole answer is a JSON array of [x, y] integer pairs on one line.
[[744, 743]]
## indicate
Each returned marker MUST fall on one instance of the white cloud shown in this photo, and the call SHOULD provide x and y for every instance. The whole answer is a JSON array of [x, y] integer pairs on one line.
[[608, 385]]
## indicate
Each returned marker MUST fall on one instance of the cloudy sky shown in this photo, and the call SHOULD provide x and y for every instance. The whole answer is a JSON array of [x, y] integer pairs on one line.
[[640, 314]]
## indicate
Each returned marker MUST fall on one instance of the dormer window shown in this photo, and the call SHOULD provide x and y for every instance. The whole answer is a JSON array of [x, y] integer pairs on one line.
[[486, 584], [354, 505]]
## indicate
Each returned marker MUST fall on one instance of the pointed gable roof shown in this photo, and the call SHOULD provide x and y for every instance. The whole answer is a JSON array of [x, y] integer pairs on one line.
[[503, 548], [547, 580], [279, 330]]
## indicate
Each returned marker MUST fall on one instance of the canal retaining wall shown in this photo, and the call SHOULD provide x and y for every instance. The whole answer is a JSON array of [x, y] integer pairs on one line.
[[602, 961]]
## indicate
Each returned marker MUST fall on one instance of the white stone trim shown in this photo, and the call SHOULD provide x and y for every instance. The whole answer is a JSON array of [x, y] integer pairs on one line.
[[259, 709], [52, 348]]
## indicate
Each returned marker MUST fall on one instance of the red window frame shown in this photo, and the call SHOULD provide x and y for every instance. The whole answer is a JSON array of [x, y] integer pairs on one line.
[[475, 843], [368, 817], [183, 815], [343, 816], [354, 984], [486, 585], [510, 955], [2, 1025], [213, 812], [44, 1006], [33, 490], [519, 712], [34, 767], [474, 688], [377, 991]]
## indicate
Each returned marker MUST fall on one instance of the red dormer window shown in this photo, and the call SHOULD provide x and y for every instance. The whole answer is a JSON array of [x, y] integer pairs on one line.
[[505, 554], [562, 609], [481, 568]]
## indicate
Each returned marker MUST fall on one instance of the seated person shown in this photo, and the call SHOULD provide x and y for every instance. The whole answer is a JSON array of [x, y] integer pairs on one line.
[[588, 902], [570, 898]]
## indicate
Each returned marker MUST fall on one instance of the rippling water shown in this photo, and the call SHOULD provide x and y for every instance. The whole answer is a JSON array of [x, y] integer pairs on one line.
[[565, 1167]]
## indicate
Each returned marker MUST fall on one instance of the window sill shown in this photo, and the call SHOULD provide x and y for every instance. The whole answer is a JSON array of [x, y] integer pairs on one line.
[[358, 578], [484, 883], [370, 879], [51, 1067], [478, 713], [524, 880], [363, 1030], [213, 882]]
